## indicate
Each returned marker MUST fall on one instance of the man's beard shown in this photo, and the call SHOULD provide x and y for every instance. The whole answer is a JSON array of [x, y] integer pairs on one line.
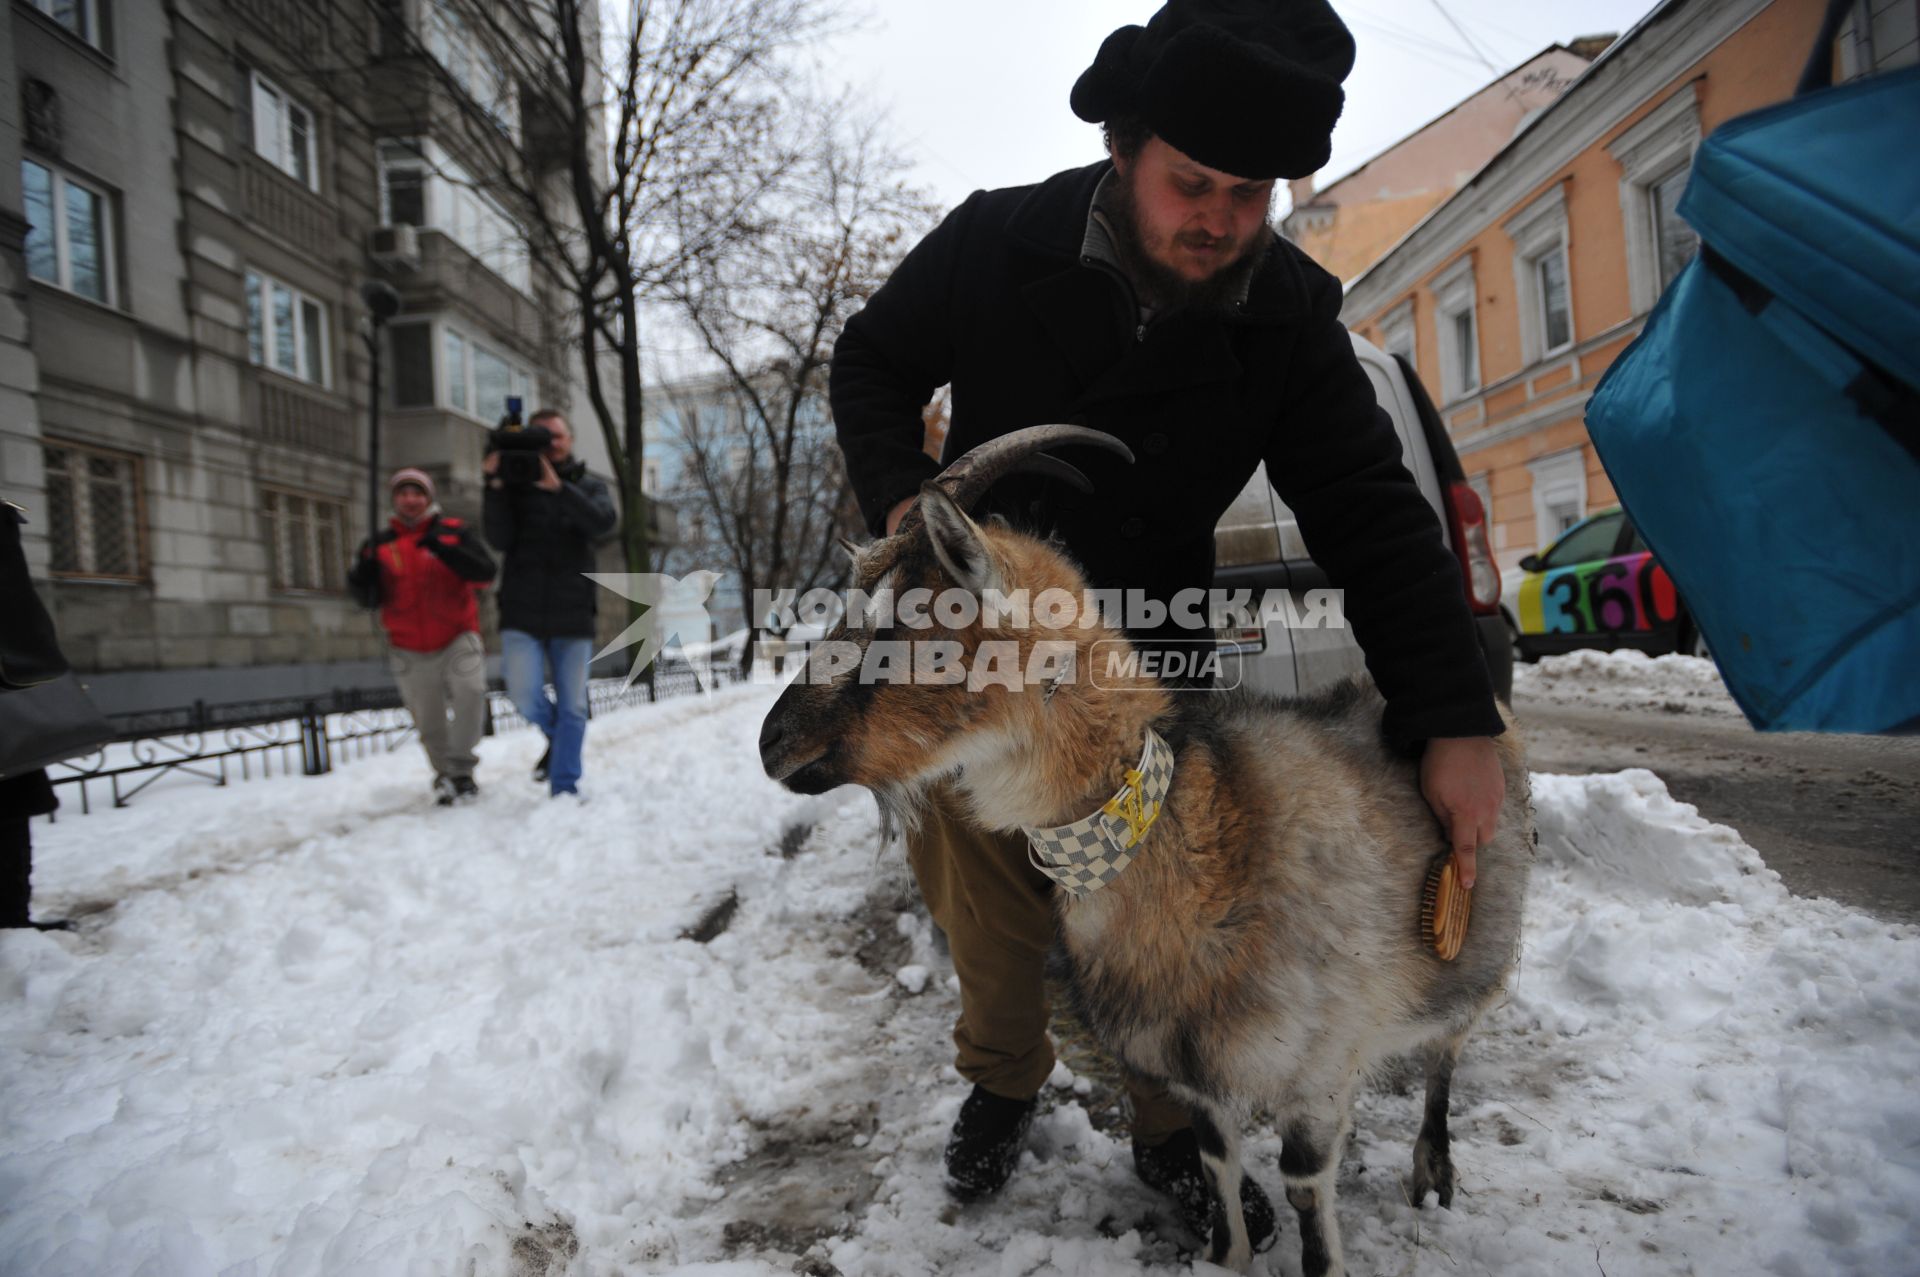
[[1160, 286]]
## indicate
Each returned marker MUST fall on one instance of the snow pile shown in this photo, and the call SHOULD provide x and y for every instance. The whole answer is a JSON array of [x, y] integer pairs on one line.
[[1626, 679], [317, 1026]]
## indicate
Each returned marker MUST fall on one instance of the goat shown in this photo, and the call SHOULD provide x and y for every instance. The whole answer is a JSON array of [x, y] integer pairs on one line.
[[1262, 948]]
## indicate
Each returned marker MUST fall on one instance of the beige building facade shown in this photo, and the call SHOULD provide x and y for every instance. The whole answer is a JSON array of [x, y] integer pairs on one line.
[[1514, 296]]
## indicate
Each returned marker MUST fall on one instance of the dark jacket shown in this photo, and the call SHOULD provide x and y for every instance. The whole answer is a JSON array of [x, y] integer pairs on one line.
[[1000, 301], [546, 540], [423, 580]]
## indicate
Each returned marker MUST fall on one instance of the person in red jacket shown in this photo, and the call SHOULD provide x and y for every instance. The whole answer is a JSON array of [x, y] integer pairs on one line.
[[423, 573]]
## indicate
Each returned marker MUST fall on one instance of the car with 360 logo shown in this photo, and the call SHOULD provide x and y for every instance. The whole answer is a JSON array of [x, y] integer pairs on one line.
[[1599, 586]]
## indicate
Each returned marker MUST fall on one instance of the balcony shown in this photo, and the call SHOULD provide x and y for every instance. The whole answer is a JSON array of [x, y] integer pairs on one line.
[[312, 421], [450, 278], [286, 210]]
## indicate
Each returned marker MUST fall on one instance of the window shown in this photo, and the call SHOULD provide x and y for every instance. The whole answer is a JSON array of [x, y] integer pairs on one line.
[[472, 377], [470, 64], [1556, 314], [69, 233], [1396, 332], [82, 17], [403, 189], [421, 185], [93, 512], [1539, 234], [283, 133], [1559, 493], [1467, 372], [286, 329], [492, 381], [650, 477], [456, 350], [1674, 242], [1459, 338], [1655, 157], [410, 347], [305, 549]]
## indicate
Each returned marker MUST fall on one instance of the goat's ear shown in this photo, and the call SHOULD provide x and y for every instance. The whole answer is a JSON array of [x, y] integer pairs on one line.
[[846, 543], [957, 542]]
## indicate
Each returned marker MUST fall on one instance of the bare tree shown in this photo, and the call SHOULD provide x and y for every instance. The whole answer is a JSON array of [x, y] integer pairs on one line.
[[592, 138], [766, 470]]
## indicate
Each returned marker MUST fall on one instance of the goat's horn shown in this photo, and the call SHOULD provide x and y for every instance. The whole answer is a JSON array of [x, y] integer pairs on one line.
[[969, 477], [1054, 468]]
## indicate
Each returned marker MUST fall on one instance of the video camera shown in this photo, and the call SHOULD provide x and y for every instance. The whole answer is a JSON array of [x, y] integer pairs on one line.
[[520, 447]]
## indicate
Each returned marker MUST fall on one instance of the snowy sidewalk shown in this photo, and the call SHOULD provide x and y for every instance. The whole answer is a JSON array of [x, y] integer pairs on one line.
[[316, 1025]]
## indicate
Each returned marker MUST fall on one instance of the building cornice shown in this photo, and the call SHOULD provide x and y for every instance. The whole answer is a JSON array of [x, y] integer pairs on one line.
[[1672, 126], [1626, 76], [1544, 213]]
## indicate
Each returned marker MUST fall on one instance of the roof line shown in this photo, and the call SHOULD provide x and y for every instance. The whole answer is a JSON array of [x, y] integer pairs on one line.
[[1606, 55], [1488, 87]]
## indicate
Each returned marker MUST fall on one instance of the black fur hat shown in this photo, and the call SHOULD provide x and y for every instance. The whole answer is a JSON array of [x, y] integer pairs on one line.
[[1250, 87]]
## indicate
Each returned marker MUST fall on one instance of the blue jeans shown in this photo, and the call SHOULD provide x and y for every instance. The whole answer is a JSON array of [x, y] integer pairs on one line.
[[528, 663]]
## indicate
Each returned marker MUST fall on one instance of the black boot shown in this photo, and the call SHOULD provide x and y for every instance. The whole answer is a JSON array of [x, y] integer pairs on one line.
[[1174, 1168], [540, 768], [985, 1144]]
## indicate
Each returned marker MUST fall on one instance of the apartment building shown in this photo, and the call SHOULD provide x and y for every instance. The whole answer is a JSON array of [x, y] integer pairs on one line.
[[187, 217], [1515, 295]]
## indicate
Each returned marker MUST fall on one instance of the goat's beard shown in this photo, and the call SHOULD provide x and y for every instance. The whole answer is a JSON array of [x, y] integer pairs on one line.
[[903, 807], [1160, 286]]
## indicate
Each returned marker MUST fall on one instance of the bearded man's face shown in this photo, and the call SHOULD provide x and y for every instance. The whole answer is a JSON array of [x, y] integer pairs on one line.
[[1188, 233]]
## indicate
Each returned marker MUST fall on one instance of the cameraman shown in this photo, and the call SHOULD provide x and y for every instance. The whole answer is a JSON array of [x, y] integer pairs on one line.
[[544, 523]]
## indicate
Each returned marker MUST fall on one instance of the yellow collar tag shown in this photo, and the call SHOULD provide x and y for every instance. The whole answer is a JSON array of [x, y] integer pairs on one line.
[[1130, 805], [1087, 854]]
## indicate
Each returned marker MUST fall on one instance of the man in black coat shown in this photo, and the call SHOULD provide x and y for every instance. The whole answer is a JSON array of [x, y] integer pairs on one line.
[[1146, 296], [545, 532]]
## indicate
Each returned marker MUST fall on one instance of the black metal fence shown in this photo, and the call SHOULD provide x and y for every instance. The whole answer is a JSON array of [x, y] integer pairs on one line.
[[242, 740]]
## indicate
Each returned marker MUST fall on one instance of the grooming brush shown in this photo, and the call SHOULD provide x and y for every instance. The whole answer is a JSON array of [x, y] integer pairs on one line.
[[1444, 906]]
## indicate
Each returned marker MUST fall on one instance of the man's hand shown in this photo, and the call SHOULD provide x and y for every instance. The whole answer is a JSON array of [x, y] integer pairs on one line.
[[898, 513], [549, 481], [490, 464], [1463, 783]]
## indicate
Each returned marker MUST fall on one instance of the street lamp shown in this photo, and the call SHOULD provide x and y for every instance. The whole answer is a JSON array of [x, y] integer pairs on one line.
[[382, 304]]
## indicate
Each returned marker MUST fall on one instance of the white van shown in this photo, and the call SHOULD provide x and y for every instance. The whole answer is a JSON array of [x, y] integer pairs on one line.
[[1257, 547]]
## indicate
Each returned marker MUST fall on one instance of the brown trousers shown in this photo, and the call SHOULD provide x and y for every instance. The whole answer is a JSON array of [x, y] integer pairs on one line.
[[431, 683], [997, 911]]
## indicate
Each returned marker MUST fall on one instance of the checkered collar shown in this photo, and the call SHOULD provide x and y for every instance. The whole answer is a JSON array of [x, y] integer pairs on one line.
[[1088, 854]]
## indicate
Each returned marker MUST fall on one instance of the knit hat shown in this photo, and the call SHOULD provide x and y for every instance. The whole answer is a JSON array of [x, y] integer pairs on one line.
[[1249, 87], [418, 478]]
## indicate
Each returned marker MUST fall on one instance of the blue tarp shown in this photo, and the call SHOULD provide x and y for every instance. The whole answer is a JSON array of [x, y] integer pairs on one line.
[[1758, 430]]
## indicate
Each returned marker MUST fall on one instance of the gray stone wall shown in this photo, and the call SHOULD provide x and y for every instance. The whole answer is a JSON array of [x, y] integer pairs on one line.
[[161, 119]]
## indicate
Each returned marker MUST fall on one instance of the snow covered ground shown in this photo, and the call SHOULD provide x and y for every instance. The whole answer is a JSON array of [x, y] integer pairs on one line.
[[315, 1025], [1626, 679]]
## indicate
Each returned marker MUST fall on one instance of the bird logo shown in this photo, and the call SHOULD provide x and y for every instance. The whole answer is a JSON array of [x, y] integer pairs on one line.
[[673, 604]]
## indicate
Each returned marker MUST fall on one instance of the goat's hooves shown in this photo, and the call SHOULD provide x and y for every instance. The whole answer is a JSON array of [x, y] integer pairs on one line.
[[1226, 1250], [1236, 1259], [1432, 1175]]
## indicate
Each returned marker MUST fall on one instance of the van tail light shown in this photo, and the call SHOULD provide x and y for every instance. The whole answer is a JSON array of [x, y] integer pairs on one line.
[[1471, 543]]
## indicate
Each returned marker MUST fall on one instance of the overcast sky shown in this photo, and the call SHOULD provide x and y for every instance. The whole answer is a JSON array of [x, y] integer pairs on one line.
[[976, 91]]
